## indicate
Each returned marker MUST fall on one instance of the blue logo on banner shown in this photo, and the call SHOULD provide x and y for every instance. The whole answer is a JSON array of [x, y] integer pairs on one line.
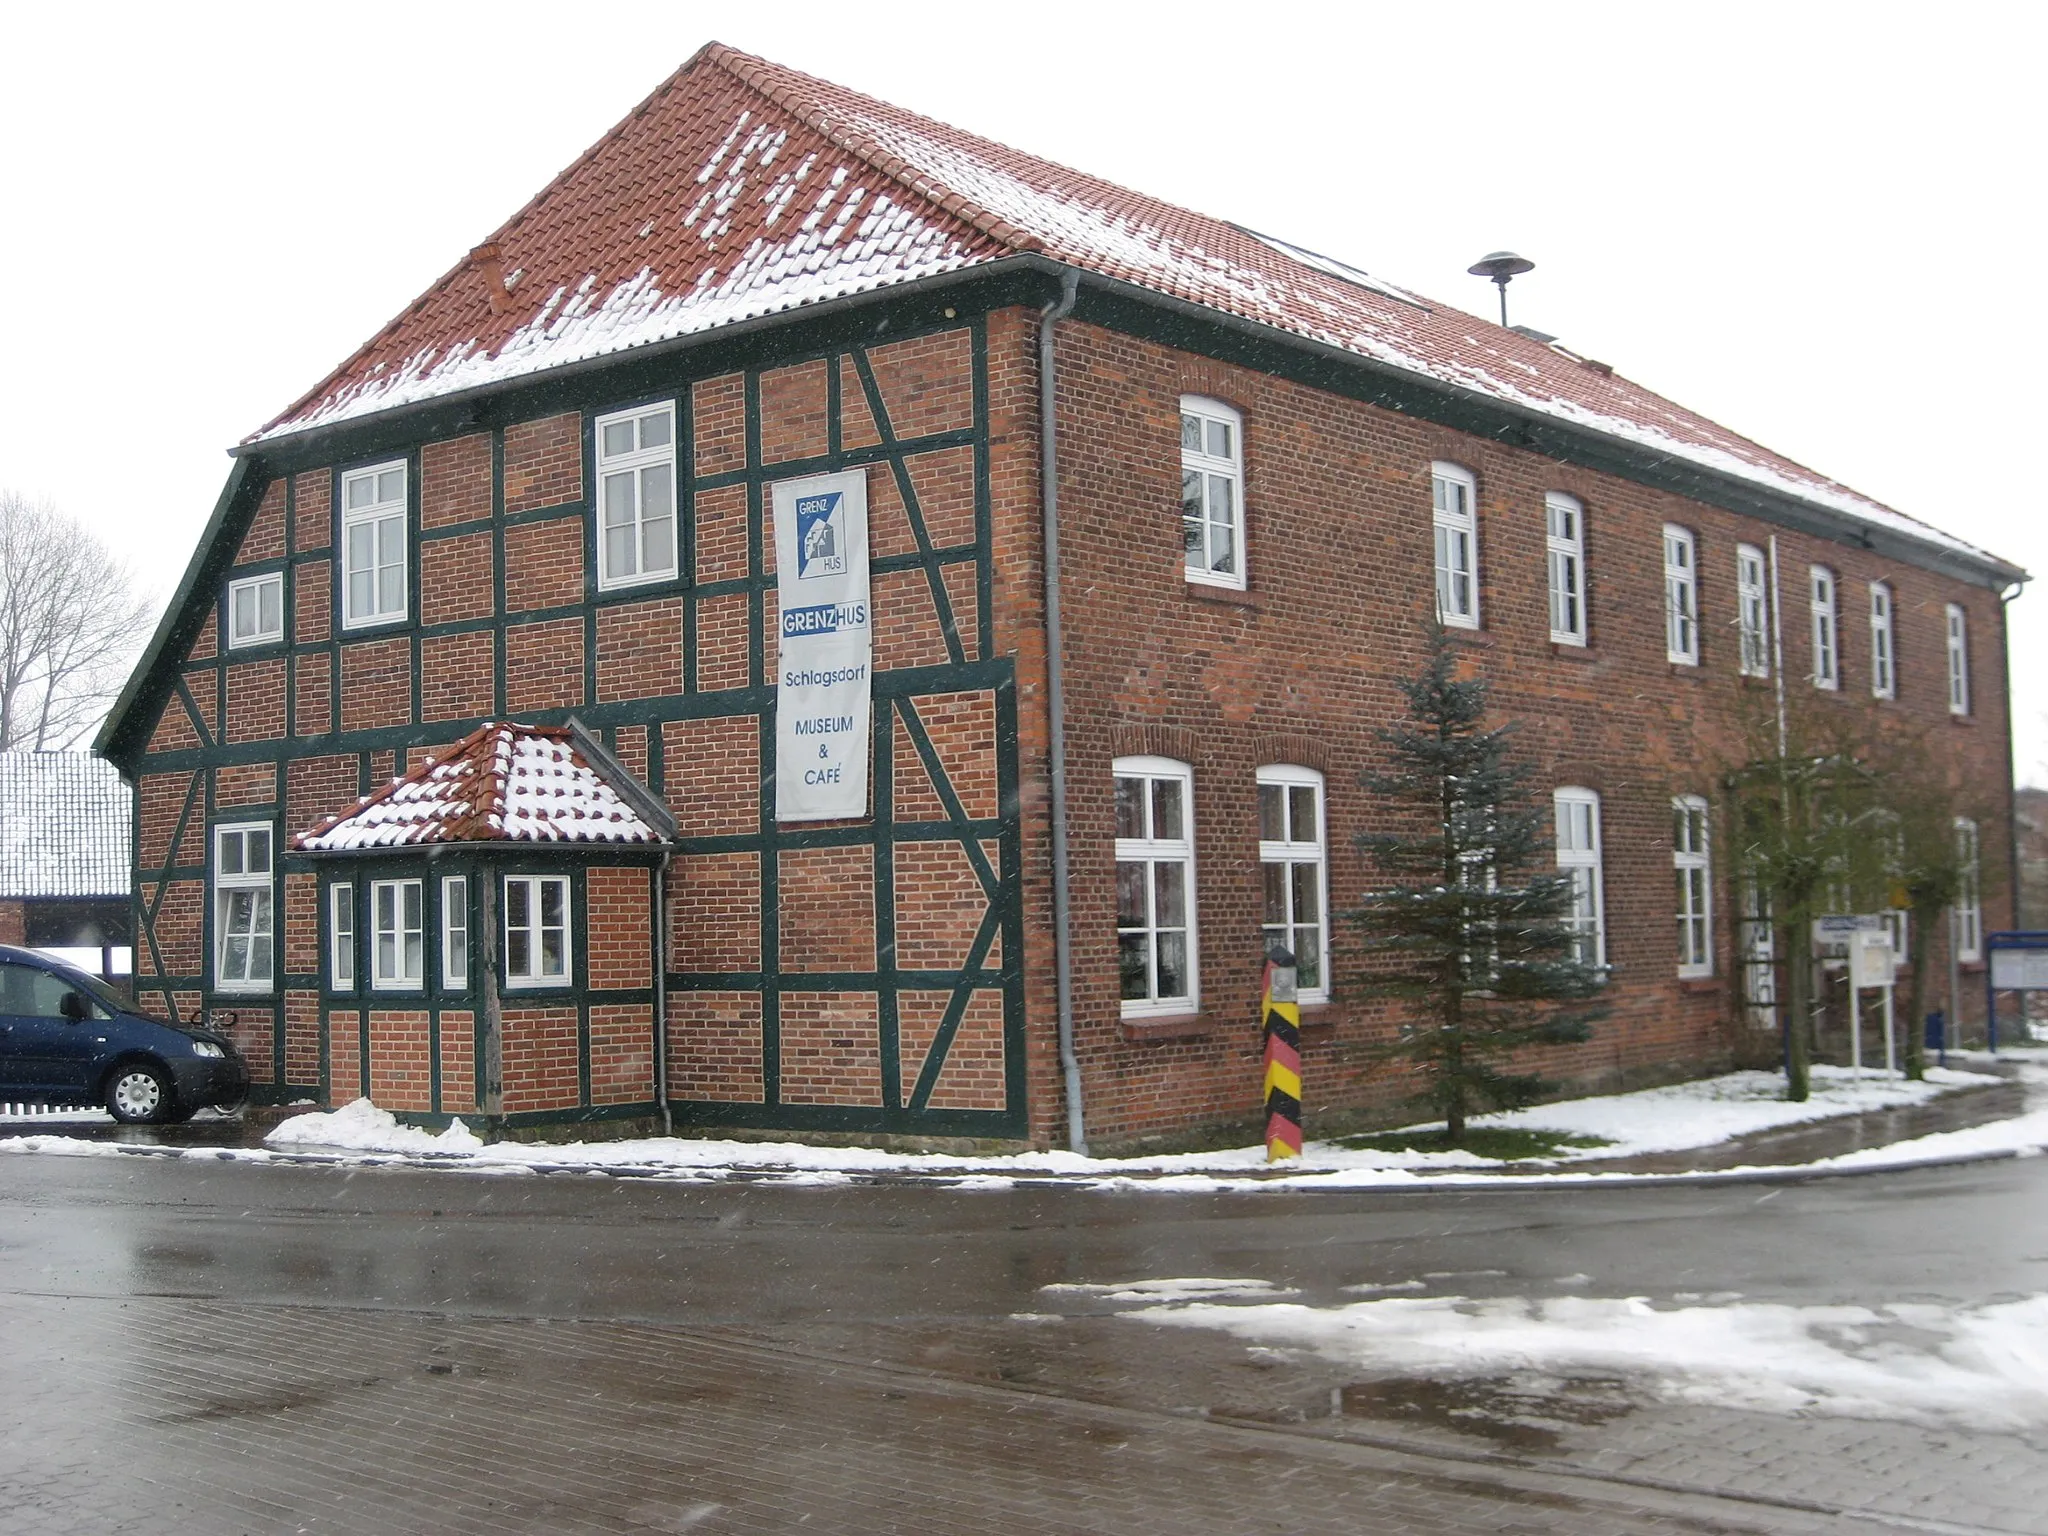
[[820, 536], [825, 619]]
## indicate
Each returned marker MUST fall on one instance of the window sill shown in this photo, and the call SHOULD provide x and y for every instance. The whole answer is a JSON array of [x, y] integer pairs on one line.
[[238, 648], [1968, 722], [1683, 668], [1150, 1029], [1230, 597], [1565, 650], [1751, 680], [1694, 986]]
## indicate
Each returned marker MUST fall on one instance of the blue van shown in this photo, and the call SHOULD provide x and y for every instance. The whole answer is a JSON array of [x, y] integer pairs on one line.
[[68, 1038]]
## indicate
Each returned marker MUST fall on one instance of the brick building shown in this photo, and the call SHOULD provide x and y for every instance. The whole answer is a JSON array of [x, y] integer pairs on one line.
[[1102, 767]]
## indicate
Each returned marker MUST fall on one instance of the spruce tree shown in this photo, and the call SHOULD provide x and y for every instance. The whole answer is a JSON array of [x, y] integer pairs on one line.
[[1472, 932]]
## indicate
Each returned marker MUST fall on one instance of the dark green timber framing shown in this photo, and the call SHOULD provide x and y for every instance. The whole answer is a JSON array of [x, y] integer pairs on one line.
[[990, 844]]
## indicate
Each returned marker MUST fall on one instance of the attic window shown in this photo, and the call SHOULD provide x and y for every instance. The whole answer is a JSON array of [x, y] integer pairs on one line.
[[1329, 266], [256, 610]]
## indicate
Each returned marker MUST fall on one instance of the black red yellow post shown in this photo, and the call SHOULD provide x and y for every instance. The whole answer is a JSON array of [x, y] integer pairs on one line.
[[1283, 1058]]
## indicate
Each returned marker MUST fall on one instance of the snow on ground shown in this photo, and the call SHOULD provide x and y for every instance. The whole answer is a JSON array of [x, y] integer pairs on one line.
[[1688, 1115], [1982, 1366]]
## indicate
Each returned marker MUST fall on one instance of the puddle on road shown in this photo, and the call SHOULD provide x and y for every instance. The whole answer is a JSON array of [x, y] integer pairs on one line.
[[1524, 1412]]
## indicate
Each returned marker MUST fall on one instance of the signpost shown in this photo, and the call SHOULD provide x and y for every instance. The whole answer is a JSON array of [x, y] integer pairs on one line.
[[1283, 1058], [2017, 962], [1866, 939]]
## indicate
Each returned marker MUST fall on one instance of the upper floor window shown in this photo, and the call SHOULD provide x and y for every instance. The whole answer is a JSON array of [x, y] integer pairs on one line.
[[1455, 521], [1827, 659], [1577, 813], [1155, 885], [256, 610], [243, 920], [1969, 904], [1212, 491], [1689, 863], [1752, 614], [1681, 597], [1565, 540], [1884, 681], [537, 950], [373, 545], [1294, 865], [397, 934], [1958, 661], [636, 496]]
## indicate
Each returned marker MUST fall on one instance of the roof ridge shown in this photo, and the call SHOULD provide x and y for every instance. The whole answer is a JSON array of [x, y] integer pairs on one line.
[[755, 73]]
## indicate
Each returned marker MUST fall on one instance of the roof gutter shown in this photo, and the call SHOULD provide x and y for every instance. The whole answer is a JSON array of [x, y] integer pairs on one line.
[[1056, 698]]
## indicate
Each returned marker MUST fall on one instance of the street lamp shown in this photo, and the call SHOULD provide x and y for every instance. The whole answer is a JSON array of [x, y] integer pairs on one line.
[[1503, 267]]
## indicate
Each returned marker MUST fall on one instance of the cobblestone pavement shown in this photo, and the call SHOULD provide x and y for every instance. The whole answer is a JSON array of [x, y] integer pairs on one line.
[[207, 1346], [201, 1418]]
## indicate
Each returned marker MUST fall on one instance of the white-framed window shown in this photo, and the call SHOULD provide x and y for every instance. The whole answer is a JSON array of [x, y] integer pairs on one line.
[[636, 496], [341, 937], [397, 935], [1681, 597], [454, 932], [1884, 677], [1958, 660], [1693, 871], [1577, 812], [1212, 491], [1827, 656], [1565, 542], [1752, 611], [1295, 867], [1155, 885], [373, 545], [1454, 520], [1969, 907], [243, 907], [537, 931], [256, 610]]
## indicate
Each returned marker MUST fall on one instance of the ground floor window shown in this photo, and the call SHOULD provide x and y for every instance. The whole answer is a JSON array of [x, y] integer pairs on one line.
[[1578, 859], [1293, 865], [536, 930], [454, 932], [1155, 885], [243, 920], [341, 937]]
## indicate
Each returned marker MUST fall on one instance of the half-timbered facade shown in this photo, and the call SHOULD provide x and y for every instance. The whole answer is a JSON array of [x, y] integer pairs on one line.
[[1105, 770]]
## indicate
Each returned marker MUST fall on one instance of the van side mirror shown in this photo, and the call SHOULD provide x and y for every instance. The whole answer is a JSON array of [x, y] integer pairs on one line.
[[73, 1006]]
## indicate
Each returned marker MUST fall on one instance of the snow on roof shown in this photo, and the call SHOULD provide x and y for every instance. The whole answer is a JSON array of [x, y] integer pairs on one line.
[[501, 783], [742, 189], [65, 820]]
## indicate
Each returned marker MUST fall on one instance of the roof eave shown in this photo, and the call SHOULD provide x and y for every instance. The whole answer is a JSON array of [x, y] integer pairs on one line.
[[113, 741]]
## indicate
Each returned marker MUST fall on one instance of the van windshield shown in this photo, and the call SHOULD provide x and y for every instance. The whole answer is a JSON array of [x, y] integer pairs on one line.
[[105, 997]]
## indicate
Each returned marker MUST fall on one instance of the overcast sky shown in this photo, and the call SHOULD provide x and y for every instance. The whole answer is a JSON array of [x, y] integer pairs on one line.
[[1818, 224]]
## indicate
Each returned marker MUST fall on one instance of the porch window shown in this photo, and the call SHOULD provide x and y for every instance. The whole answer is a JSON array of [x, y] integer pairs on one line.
[[341, 937], [537, 930], [455, 932], [398, 934]]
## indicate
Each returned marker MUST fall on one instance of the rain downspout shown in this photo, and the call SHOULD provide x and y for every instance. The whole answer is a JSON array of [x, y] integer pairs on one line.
[[668, 1124], [1056, 700]]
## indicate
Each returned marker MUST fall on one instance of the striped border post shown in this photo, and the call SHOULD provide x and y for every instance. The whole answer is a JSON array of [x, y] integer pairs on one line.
[[1283, 1058]]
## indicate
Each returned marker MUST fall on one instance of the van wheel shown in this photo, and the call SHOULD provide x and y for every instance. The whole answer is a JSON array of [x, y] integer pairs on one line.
[[139, 1094]]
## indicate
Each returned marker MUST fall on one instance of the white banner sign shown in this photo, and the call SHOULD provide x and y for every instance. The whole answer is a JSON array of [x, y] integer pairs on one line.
[[824, 681]]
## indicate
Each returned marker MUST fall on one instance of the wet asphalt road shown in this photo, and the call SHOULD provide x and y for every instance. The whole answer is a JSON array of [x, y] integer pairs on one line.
[[281, 1348]]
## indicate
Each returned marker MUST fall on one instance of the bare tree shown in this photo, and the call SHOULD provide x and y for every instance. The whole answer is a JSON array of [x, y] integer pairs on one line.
[[71, 624]]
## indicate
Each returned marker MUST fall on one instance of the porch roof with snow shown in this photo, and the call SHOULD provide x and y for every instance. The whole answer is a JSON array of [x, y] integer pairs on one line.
[[502, 783]]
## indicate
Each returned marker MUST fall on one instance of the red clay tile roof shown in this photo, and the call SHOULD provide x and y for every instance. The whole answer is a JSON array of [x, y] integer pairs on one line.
[[501, 783], [741, 188]]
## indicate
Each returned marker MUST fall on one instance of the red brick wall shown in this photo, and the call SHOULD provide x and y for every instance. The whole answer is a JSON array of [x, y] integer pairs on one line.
[[621, 1053], [455, 482], [540, 1059], [617, 923], [1314, 650], [543, 463], [401, 1063], [12, 919]]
